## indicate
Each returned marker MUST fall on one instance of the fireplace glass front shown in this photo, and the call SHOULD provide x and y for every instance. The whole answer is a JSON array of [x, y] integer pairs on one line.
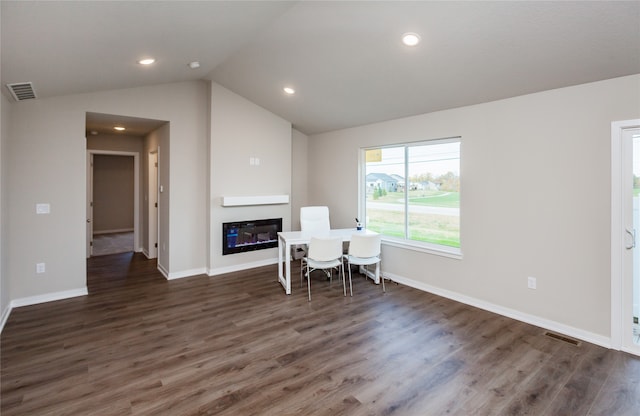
[[242, 236]]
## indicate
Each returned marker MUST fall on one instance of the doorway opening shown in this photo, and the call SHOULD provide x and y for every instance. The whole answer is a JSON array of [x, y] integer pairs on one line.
[[112, 208], [135, 139]]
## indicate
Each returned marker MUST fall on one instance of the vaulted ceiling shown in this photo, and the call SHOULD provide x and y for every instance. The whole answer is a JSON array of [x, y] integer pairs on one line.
[[344, 58]]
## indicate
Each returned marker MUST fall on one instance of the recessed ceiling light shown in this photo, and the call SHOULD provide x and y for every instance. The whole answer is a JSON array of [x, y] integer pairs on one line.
[[289, 90], [146, 61], [194, 65], [119, 128], [410, 39]]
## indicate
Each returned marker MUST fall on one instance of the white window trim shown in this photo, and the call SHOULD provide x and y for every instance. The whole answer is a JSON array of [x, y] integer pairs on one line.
[[438, 250]]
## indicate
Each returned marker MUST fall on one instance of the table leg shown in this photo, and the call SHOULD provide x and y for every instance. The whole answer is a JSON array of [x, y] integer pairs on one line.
[[284, 278], [279, 258], [287, 266]]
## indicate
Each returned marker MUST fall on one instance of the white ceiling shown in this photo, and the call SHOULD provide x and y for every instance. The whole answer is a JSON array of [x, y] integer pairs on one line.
[[344, 58]]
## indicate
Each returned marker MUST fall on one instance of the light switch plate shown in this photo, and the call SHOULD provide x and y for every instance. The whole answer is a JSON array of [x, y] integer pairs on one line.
[[43, 208]]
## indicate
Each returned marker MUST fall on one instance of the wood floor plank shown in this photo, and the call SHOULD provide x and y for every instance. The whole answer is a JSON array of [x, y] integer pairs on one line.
[[237, 345]]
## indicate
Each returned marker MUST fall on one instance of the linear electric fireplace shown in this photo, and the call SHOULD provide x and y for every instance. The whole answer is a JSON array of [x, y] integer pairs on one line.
[[241, 236]]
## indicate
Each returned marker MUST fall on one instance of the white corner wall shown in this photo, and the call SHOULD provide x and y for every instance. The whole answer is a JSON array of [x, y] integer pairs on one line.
[[535, 201], [299, 176], [46, 153], [242, 132], [152, 142], [4, 275], [4, 280]]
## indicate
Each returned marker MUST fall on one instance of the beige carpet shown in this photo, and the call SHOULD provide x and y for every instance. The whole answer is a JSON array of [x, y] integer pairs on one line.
[[112, 243]]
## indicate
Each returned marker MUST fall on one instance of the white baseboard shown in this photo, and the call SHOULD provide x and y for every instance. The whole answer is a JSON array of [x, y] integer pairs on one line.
[[243, 266], [216, 271], [164, 271], [508, 312], [179, 275], [186, 273], [5, 316], [48, 297]]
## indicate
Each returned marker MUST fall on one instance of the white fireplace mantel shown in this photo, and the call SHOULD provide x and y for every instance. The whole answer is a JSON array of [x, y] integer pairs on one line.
[[236, 201]]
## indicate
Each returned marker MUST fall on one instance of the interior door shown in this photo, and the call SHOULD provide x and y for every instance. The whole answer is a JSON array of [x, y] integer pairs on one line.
[[89, 204]]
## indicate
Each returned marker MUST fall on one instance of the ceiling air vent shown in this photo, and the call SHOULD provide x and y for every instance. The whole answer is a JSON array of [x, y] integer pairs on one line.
[[22, 91]]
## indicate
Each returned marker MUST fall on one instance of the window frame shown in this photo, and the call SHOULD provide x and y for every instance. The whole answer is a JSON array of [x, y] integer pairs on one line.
[[405, 243]]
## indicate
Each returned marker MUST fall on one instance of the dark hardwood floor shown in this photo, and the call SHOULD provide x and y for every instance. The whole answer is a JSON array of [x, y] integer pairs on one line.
[[237, 345]]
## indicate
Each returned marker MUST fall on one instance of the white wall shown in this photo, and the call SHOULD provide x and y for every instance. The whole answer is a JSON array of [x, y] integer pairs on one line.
[[46, 153], [299, 176], [4, 275], [241, 130], [535, 200], [4, 291], [115, 143]]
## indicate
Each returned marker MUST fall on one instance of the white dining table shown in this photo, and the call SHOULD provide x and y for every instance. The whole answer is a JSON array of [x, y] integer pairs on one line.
[[286, 239]]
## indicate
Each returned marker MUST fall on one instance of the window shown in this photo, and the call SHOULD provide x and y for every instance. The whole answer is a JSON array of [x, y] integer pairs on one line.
[[412, 194]]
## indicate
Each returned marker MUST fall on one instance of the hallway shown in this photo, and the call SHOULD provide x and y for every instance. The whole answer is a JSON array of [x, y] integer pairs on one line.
[[112, 243]]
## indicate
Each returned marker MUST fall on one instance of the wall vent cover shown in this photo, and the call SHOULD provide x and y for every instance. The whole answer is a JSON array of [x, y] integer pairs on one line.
[[22, 91]]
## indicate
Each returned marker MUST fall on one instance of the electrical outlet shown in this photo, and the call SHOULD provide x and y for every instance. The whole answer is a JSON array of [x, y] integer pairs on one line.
[[531, 282], [40, 268]]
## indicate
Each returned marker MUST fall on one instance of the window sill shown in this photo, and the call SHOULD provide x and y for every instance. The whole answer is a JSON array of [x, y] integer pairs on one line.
[[450, 252]]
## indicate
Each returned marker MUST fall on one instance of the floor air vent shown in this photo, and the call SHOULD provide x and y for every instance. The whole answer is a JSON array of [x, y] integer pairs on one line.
[[22, 91], [563, 338]]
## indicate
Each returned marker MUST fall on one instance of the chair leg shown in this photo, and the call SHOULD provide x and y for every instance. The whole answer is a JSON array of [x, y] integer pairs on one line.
[[350, 285], [308, 283], [380, 276], [344, 287]]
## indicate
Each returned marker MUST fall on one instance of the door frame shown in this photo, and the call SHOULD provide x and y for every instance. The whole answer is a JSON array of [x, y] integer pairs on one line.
[[618, 235], [89, 204], [153, 212], [136, 190]]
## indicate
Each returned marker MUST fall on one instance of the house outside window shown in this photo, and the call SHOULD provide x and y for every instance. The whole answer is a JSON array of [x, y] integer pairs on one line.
[[412, 194]]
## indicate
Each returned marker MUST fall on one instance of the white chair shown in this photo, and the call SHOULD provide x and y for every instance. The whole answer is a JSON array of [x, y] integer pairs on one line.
[[315, 220], [324, 254], [364, 250], [312, 220]]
